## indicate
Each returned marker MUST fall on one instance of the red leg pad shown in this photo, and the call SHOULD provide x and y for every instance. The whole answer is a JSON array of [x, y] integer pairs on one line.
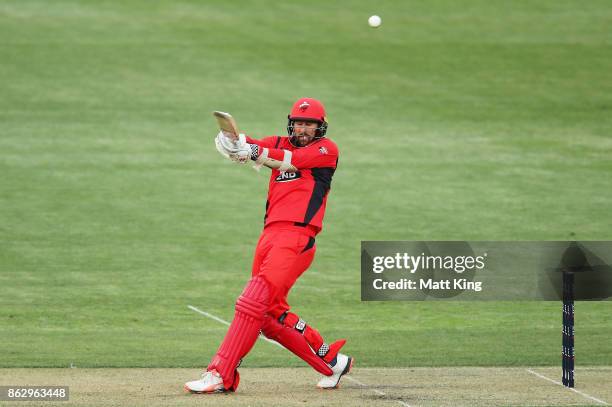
[[294, 342], [313, 337], [334, 348], [243, 331]]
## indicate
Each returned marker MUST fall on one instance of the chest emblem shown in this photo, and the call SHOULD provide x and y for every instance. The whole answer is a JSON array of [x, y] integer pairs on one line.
[[288, 176]]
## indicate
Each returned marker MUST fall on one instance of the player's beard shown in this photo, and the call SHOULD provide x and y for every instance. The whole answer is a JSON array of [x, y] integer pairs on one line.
[[303, 140]]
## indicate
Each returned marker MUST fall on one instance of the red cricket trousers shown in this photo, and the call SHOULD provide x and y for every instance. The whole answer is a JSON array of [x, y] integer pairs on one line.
[[284, 251]]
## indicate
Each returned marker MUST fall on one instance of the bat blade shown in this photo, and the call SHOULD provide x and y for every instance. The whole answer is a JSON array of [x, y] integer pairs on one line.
[[227, 124]]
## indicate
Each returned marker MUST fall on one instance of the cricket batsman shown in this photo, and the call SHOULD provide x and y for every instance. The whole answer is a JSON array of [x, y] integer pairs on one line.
[[303, 164]]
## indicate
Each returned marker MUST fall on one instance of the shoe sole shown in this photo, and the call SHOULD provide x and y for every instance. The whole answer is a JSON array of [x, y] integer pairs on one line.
[[346, 371], [188, 390]]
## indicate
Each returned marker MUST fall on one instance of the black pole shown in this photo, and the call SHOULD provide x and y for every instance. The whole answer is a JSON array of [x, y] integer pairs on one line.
[[567, 358]]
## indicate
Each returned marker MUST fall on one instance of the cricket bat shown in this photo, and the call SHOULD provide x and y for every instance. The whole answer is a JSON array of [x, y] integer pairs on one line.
[[227, 124]]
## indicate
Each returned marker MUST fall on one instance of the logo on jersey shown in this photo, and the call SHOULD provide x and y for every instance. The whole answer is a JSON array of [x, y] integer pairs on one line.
[[322, 150], [288, 176]]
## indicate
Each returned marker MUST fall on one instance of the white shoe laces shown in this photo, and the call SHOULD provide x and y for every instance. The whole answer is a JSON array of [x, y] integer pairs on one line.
[[210, 372]]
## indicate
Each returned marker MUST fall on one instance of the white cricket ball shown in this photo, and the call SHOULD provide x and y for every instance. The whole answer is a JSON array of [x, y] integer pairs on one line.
[[374, 21]]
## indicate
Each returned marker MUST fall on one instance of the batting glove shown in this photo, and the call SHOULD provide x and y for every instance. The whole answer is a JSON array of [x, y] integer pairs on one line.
[[225, 146], [243, 151]]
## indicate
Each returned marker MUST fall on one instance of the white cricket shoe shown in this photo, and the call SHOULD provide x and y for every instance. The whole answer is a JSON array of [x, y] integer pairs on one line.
[[343, 366], [211, 382]]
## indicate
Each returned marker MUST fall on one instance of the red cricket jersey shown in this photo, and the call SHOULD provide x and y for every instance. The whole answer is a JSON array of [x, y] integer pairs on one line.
[[300, 197]]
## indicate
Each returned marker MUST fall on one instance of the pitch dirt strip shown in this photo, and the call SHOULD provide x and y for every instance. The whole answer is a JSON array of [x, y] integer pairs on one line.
[[293, 387], [569, 388], [224, 322], [380, 393]]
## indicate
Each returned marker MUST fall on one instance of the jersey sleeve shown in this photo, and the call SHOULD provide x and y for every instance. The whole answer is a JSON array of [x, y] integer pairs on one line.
[[317, 155], [268, 142]]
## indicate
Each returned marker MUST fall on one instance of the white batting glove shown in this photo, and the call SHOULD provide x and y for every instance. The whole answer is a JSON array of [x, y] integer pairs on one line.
[[242, 154], [225, 146]]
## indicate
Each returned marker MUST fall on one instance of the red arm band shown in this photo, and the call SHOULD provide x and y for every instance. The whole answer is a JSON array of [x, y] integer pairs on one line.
[[314, 156]]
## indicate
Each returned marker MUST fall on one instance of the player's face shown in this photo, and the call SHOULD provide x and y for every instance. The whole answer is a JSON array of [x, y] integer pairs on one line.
[[304, 132]]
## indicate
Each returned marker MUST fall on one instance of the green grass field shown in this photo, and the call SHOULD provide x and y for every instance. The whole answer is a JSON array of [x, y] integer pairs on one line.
[[472, 120]]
